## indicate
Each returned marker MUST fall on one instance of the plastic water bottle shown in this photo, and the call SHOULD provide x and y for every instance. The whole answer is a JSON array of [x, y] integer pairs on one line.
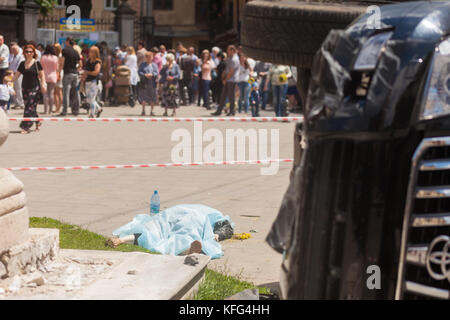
[[154, 203]]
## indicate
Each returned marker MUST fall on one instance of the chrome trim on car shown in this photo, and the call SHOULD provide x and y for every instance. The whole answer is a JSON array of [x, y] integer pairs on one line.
[[431, 220], [433, 192], [426, 290], [417, 255], [438, 255], [433, 165], [412, 192]]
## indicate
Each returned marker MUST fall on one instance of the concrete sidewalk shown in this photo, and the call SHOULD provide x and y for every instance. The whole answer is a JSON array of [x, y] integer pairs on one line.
[[102, 200]]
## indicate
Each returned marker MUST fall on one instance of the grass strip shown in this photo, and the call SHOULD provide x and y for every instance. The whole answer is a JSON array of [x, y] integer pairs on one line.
[[218, 286], [74, 237]]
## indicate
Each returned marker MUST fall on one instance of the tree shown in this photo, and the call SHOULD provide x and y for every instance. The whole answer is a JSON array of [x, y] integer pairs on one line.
[[46, 5]]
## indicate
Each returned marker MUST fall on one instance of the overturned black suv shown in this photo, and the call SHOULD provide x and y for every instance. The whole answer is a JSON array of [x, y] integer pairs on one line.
[[371, 180]]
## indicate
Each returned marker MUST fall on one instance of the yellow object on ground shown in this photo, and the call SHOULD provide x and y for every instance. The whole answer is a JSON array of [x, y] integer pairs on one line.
[[242, 236]]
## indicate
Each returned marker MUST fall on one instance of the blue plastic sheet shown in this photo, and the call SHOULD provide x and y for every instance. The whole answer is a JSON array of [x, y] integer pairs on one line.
[[173, 230]]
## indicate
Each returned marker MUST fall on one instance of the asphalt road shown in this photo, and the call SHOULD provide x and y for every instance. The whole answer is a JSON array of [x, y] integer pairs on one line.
[[102, 200]]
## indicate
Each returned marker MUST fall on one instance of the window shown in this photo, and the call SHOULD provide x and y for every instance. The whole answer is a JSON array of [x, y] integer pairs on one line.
[[111, 4], [163, 4], [201, 11]]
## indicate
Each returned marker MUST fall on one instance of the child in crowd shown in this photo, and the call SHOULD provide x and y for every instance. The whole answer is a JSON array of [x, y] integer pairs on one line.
[[6, 91], [254, 97]]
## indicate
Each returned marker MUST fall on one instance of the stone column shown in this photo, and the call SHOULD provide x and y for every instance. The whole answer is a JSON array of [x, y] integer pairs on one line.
[[149, 8], [125, 23], [29, 23], [149, 23]]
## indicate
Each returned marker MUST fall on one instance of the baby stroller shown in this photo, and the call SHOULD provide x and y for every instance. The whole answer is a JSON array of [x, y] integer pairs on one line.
[[123, 92]]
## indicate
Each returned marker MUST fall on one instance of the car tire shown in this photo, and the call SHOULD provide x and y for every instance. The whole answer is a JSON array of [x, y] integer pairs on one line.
[[290, 33]]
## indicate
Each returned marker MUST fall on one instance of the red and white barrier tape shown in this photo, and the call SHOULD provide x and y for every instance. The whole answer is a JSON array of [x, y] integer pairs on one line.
[[152, 165], [203, 119]]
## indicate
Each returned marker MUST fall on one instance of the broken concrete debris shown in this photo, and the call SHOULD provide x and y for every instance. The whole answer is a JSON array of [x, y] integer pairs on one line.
[[191, 260]]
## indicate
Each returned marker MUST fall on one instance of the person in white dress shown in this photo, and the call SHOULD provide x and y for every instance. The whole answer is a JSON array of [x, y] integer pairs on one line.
[[131, 62]]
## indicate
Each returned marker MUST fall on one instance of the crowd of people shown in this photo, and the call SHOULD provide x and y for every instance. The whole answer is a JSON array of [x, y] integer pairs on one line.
[[88, 77]]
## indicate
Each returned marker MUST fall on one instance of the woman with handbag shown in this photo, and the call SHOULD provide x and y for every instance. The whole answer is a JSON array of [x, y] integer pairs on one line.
[[33, 85], [90, 78], [148, 73]]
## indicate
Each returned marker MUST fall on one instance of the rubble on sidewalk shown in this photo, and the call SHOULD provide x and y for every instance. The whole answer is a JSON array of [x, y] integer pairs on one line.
[[59, 275], [191, 260]]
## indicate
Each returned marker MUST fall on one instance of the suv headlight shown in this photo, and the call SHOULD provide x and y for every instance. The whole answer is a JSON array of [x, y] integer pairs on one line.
[[437, 89]]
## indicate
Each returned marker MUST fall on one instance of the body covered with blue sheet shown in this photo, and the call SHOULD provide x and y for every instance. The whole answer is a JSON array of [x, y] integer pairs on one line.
[[173, 230]]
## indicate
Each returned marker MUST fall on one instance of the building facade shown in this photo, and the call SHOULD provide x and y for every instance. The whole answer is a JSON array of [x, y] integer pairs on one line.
[[226, 17], [102, 11], [198, 23], [185, 21], [17, 21], [181, 20]]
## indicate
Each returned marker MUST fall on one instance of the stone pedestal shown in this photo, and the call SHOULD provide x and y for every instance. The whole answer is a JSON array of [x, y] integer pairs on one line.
[[13, 212], [4, 127], [13, 229], [22, 250], [125, 23]]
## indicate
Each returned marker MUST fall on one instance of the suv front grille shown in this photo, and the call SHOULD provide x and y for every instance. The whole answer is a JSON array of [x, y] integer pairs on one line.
[[424, 268]]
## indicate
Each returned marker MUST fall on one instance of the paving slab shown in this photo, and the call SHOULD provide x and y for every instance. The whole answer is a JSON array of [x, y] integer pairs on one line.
[[143, 276]]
